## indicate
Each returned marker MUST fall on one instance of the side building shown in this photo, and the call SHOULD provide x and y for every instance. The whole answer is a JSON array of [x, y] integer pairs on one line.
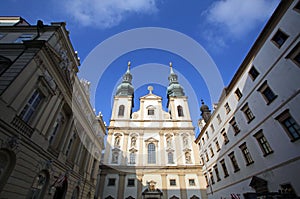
[[50, 138], [250, 146], [151, 153]]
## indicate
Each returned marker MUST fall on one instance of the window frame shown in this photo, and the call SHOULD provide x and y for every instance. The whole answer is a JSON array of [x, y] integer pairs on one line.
[[151, 153], [284, 116], [253, 73], [180, 111], [235, 126], [234, 162], [111, 182], [121, 111], [224, 167], [238, 94], [32, 106], [265, 87], [227, 108], [248, 113], [225, 136], [172, 182], [280, 34], [217, 172], [131, 184], [246, 153], [263, 143]]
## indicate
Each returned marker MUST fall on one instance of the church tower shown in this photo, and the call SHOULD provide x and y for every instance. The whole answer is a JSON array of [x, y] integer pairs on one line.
[[177, 101], [151, 153], [123, 100]]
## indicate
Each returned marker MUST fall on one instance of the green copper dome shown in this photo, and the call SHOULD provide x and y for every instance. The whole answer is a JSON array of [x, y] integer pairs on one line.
[[126, 88], [174, 88]]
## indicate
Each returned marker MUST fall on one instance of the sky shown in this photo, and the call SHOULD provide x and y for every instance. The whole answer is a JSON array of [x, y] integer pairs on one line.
[[206, 41]]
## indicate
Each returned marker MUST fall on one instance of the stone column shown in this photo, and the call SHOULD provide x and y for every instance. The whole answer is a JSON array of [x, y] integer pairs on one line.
[[183, 193], [164, 185], [121, 186], [162, 148], [140, 152], [100, 185], [178, 152], [124, 150]]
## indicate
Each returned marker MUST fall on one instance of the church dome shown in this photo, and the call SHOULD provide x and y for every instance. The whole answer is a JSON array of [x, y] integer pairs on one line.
[[126, 88]]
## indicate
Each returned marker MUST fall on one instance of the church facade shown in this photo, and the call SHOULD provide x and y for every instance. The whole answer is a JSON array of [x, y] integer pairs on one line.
[[151, 153]]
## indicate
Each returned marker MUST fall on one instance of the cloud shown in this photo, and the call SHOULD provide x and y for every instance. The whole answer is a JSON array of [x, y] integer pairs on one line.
[[107, 13], [233, 19]]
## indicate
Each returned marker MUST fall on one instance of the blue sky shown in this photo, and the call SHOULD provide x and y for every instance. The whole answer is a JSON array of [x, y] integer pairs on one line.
[[225, 29]]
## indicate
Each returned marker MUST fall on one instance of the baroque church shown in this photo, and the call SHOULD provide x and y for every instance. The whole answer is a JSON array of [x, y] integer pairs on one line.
[[151, 153]]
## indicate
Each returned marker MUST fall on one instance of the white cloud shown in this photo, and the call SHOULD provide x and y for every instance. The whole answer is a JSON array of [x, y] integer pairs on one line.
[[236, 18], [106, 13]]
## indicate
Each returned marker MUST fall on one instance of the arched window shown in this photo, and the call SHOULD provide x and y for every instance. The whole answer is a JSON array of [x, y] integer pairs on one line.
[[7, 165], [170, 158], [180, 111], [4, 63], [151, 154], [121, 110], [132, 158]]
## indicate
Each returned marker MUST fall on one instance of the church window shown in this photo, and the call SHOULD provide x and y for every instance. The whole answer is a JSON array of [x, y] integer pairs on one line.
[[170, 158], [31, 106], [150, 111], [121, 110], [180, 111], [151, 154]]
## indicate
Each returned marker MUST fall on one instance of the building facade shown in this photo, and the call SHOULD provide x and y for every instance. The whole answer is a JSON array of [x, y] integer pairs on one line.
[[151, 153], [50, 138], [249, 146]]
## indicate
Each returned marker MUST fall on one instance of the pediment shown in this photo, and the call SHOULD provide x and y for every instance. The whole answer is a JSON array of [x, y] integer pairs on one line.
[[151, 139]]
